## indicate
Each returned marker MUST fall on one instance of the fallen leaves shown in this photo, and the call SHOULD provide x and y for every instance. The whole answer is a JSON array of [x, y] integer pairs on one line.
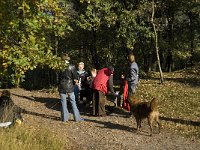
[[178, 99]]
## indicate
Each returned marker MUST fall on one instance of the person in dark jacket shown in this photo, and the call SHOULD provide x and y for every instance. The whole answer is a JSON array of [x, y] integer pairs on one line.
[[132, 76], [81, 87], [67, 78], [100, 85], [89, 90], [9, 112]]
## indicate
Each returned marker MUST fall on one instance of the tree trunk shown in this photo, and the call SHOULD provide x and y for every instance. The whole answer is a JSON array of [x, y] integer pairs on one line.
[[170, 19], [190, 15], [156, 43], [95, 59]]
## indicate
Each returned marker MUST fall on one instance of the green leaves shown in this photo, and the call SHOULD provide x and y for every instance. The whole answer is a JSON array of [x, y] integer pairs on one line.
[[97, 13], [34, 33], [27, 36]]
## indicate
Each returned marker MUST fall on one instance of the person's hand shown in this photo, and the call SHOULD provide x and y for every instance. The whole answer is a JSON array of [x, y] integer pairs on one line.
[[76, 81], [88, 78], [114, 94], [117, 93]]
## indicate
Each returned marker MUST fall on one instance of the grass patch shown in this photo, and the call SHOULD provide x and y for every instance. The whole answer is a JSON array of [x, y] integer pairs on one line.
[[179, 101], [28, 138]]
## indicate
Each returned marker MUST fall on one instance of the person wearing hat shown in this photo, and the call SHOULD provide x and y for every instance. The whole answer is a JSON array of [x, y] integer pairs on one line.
[[67, 79], [102, 83]]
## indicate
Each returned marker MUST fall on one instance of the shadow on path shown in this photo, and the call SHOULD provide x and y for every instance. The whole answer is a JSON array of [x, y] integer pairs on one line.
[[111, 125], [42, 115], [51, 103], [181, 121]]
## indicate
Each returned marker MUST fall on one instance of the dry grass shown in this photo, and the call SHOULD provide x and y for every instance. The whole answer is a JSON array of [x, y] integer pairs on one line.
[[22, 137], [179, 100], [28, 138]]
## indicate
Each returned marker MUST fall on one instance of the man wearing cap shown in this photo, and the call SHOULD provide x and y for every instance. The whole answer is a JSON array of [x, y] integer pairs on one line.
[[67, 78], [100, 85]]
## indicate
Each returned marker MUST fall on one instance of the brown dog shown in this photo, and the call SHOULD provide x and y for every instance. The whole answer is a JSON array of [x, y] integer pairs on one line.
[[142, 110]]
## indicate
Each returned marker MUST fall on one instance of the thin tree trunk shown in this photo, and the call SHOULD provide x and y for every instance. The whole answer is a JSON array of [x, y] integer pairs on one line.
[[156, 42], [94, 51], [170, 19], [190, 15]]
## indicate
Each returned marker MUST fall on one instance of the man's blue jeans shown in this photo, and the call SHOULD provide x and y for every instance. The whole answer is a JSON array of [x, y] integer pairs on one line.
[[64, 111]]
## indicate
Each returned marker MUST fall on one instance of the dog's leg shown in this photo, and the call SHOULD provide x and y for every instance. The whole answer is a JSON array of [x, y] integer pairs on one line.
[[138, 124], [137, 120], [158, 122], [150, 122]]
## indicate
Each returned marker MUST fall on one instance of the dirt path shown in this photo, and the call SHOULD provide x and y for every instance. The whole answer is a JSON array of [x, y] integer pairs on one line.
[[116, 131]]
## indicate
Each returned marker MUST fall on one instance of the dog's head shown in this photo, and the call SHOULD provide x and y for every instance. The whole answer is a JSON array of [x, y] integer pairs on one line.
[[5, 93], [133, 100]]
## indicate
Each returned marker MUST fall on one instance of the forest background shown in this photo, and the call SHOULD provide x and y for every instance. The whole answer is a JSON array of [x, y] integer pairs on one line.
[[164, 36]]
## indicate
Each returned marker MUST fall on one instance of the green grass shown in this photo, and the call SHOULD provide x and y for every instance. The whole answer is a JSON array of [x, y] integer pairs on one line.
[[179, 101], [28, 138]]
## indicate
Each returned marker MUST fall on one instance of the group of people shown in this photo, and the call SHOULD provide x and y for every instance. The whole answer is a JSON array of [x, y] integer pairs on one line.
[[75, 84]]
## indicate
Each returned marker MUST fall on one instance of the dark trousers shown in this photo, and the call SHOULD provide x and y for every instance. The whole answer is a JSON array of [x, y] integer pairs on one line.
[[98, 103], [88, 94]]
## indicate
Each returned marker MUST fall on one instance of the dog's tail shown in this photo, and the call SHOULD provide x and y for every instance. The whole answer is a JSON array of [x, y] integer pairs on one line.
[[154, 104]]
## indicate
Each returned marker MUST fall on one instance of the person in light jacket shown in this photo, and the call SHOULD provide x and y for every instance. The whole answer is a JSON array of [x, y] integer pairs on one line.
[[132, 76]]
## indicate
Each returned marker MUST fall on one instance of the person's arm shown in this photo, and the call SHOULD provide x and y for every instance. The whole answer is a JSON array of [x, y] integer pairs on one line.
[[111, 84], [59, 76], [85, 82], [74, 73]]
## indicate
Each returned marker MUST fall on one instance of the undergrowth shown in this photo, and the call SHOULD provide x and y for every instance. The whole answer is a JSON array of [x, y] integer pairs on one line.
[[28, 138]]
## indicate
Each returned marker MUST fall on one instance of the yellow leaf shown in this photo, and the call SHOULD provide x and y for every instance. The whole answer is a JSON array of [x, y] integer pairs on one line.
[[32, 39]]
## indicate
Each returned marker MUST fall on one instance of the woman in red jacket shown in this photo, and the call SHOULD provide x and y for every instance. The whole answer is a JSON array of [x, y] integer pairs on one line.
[[100, 85]]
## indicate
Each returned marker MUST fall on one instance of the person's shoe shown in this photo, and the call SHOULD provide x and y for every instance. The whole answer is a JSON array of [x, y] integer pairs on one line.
[[103, 115], [82, 119]]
